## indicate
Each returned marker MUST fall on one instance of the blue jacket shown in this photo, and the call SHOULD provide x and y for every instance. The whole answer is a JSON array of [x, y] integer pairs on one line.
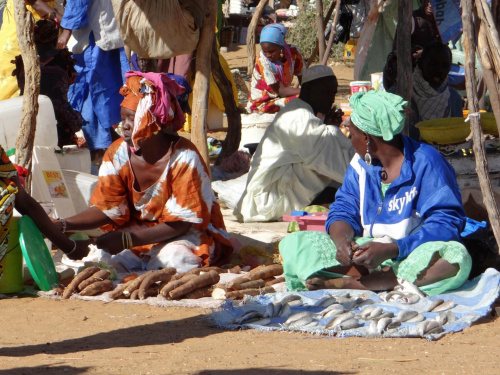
[[423, 204]]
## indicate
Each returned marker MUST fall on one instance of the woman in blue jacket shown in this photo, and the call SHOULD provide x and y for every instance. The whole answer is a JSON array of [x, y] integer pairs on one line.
[[398, 213]]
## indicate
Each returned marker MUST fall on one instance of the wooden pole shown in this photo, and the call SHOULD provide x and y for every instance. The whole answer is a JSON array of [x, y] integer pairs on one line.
[[475, 120], [251, 35], [484, 15], [320, 27], [403, 46], [316, 49], [301, 5], [233, 136], [202, 80], [333, 32], [26, 134]]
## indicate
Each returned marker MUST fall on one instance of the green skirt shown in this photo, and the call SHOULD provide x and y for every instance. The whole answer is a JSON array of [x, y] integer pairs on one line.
[[309, 253]]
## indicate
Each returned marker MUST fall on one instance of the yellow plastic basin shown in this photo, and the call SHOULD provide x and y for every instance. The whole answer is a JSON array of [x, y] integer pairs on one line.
[[488, 122], [444, 130]]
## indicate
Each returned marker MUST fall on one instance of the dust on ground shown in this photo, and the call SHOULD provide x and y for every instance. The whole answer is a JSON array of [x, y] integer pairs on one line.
[[44, 336]]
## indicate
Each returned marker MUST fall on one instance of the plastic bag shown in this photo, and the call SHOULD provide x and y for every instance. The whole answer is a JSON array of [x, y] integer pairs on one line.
[[343, 28], [158, 29]]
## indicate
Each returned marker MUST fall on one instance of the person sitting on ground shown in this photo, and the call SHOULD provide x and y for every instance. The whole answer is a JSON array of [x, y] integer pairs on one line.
[[154, 196], [432, 97], [14, 196], [398, 214], [57, 73], [299, 155], [275, 68]]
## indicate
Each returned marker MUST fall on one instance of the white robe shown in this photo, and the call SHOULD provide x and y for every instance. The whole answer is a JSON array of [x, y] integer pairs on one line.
[[298, 157]]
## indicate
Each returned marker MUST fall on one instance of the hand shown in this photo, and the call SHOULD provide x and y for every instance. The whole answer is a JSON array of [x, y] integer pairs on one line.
[[345, 250], [334, 117], [81, 250], [62, 42], [373, 254], [111, 242]]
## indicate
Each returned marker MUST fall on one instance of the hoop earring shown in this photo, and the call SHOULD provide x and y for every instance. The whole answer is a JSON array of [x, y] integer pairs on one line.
[[368, 157], [281, 54]]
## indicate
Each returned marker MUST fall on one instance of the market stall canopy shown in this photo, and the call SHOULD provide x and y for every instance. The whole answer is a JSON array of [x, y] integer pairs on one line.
[[159, 29]]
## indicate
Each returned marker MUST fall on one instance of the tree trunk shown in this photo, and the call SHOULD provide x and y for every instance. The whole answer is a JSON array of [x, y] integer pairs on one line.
[[233, 136], [332, 33], [202, 81], [26, 134], [251, 35], [301, 5], [403, 46], [320, 26], [475, 120]]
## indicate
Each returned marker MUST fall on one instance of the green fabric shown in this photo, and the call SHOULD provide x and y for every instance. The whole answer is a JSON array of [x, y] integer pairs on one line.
[[308, 253], [294, 226], [378, 113], [383, 189]]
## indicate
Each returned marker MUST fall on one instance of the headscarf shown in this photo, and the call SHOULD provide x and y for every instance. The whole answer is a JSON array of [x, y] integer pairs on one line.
[[152, 96], [378, 113], [275, 33], [46, 30]]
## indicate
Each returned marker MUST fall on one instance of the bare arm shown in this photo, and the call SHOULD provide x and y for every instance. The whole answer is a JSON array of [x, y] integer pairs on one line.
[[113, 243], [285, 91], [26, 205], [91, 218], [43, 9]]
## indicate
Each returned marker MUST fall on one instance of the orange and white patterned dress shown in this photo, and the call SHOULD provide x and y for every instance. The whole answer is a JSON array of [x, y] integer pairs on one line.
[[182, 193]]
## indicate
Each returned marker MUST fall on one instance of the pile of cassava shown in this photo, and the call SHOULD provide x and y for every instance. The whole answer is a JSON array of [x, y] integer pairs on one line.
[[196, 283]]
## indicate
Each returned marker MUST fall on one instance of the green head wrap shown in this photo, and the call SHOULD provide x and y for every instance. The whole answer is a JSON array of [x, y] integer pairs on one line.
[[378, 113]]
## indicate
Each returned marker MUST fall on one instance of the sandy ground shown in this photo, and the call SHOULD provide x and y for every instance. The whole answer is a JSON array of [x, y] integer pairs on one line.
[[42, 336]]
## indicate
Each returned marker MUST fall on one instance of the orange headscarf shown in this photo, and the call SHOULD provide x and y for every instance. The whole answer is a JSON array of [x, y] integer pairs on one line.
[[152, 96]]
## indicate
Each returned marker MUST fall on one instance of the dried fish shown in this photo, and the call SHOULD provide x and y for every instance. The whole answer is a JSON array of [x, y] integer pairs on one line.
[[387, 314], [408, 287], [300, 323], [428, 327], [442, 318], [451, 317], [325, 301], [311, 324], [332, 313], [410, 298], [335, 306], [296, 317], [375, 312], [285, 310], [417, 318], [353, 303], [269, 310], [372, 329], [404, 315], [394, 296], [248, 316], [295, 303], [382, 325], [291, 297], [435, 304], [339, 319], [366, 312], [444, 306], [348, 324], [260, 322]]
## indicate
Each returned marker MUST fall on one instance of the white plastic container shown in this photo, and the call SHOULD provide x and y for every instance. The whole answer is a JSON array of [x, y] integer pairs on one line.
[[253, 127], [80, 185], [74, 158], [48, 183], [10, 120]]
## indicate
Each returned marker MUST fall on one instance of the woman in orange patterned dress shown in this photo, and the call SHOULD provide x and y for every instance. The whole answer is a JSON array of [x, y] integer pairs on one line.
[[154, 197]]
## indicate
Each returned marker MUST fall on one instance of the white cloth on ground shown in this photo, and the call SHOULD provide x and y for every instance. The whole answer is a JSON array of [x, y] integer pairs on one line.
[[298, 157]]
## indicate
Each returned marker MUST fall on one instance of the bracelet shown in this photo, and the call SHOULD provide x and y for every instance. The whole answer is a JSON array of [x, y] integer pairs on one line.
[[74, 247], [127, 241], [64, 224]]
